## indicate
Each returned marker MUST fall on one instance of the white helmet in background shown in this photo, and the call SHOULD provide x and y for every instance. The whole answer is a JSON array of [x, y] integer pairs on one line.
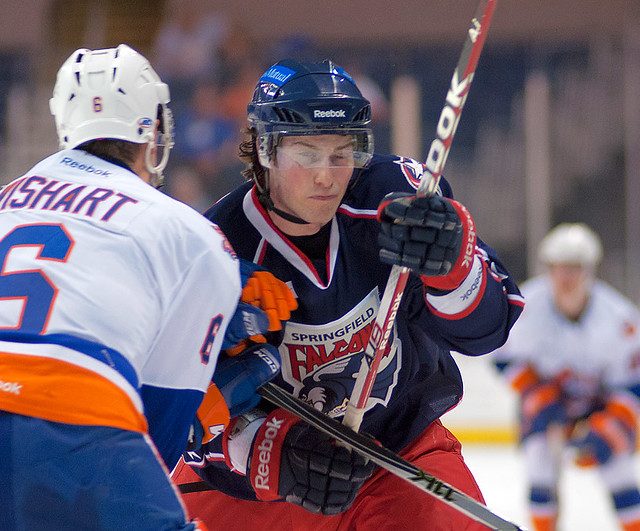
[[571, 243], [112, 93]]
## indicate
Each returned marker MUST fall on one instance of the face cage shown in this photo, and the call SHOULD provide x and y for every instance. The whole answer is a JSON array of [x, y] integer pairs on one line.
[[267, 144], [166, 142]]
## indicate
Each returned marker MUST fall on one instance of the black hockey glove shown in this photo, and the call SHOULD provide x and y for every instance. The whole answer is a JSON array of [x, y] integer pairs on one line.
[[294, 461], [433, 236]]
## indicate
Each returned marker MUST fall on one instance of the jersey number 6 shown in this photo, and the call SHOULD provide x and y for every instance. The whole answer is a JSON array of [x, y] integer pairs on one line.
[[33, 286]]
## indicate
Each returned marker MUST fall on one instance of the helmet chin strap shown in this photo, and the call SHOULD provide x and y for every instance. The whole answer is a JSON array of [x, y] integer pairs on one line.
[[267, 202]]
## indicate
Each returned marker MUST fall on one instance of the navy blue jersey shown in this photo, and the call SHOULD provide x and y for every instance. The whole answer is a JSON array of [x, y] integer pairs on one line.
[[324, 341]]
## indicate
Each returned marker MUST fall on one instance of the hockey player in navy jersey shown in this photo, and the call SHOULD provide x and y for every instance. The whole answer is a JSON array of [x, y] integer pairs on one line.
[[329, 217]]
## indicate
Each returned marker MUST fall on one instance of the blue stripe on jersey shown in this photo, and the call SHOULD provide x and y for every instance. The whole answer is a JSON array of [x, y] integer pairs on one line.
[[63, 476], [635, 389], [170, 413], [542, 495], [97, 351], [626, 498], [501, 365]]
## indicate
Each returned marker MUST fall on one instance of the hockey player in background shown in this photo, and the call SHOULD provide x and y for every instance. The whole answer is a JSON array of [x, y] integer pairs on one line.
[[574, 358], [115, 303], [316, 206]]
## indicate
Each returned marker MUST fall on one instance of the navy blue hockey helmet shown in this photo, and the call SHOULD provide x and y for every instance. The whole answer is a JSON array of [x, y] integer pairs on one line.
[[301, 98]]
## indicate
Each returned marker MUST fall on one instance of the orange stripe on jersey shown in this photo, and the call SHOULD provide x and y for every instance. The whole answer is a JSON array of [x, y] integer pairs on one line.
[[543, 523], [524, 379], [55, 390], [631, 526], [623, 412], [539, 398], [606, 426]]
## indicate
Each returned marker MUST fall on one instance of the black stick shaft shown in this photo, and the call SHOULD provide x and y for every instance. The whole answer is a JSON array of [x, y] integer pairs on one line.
[[387, 459]]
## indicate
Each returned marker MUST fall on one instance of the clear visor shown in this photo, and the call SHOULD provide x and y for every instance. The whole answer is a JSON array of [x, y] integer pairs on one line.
[[353, 149]]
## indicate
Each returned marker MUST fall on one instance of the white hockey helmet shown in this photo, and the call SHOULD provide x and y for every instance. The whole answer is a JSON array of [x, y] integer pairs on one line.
[[571, 243], [112, 93]]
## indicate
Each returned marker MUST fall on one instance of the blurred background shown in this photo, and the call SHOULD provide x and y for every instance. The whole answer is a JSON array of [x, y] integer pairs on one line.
[[550, 131]]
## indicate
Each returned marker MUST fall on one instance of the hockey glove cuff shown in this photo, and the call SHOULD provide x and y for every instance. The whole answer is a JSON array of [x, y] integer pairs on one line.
[[239, 377], [233, 390], [211, 420], [293, 461]]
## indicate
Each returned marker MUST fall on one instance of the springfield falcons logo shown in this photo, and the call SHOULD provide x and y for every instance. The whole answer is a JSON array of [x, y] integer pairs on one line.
[[321, 362]]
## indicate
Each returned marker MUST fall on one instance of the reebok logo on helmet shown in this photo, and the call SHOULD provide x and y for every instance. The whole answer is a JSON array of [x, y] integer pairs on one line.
[[331, 113]]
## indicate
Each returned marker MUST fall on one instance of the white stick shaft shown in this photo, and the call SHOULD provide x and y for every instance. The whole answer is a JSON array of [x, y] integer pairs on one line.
[[436, 158], [376, 347]]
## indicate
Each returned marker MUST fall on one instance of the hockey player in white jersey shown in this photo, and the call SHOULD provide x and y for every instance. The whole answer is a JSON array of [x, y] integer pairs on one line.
[[574, 358], [115, 301]]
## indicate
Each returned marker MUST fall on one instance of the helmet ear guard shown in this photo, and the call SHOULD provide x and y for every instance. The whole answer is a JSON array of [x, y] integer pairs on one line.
[[165, 141]]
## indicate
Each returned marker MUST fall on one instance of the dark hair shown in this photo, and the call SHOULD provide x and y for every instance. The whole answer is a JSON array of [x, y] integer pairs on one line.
[[248, 153], [121, 150]]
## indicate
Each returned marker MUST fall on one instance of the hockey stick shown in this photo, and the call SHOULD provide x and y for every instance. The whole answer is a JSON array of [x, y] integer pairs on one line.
[[438, 152], [380, 455], [386, 459]]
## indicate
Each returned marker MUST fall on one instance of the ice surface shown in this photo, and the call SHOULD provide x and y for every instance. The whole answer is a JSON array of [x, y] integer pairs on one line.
[[499, 470]]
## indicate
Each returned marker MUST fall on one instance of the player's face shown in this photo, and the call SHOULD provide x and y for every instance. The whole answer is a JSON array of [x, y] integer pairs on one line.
[[571, 284], [310, 179]]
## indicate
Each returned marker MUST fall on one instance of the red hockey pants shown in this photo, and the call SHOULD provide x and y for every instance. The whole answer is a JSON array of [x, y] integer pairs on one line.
[[385, 501]]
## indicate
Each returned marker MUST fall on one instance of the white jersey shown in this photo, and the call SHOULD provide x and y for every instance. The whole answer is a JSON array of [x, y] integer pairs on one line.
[[595, 355], [109, 290]]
